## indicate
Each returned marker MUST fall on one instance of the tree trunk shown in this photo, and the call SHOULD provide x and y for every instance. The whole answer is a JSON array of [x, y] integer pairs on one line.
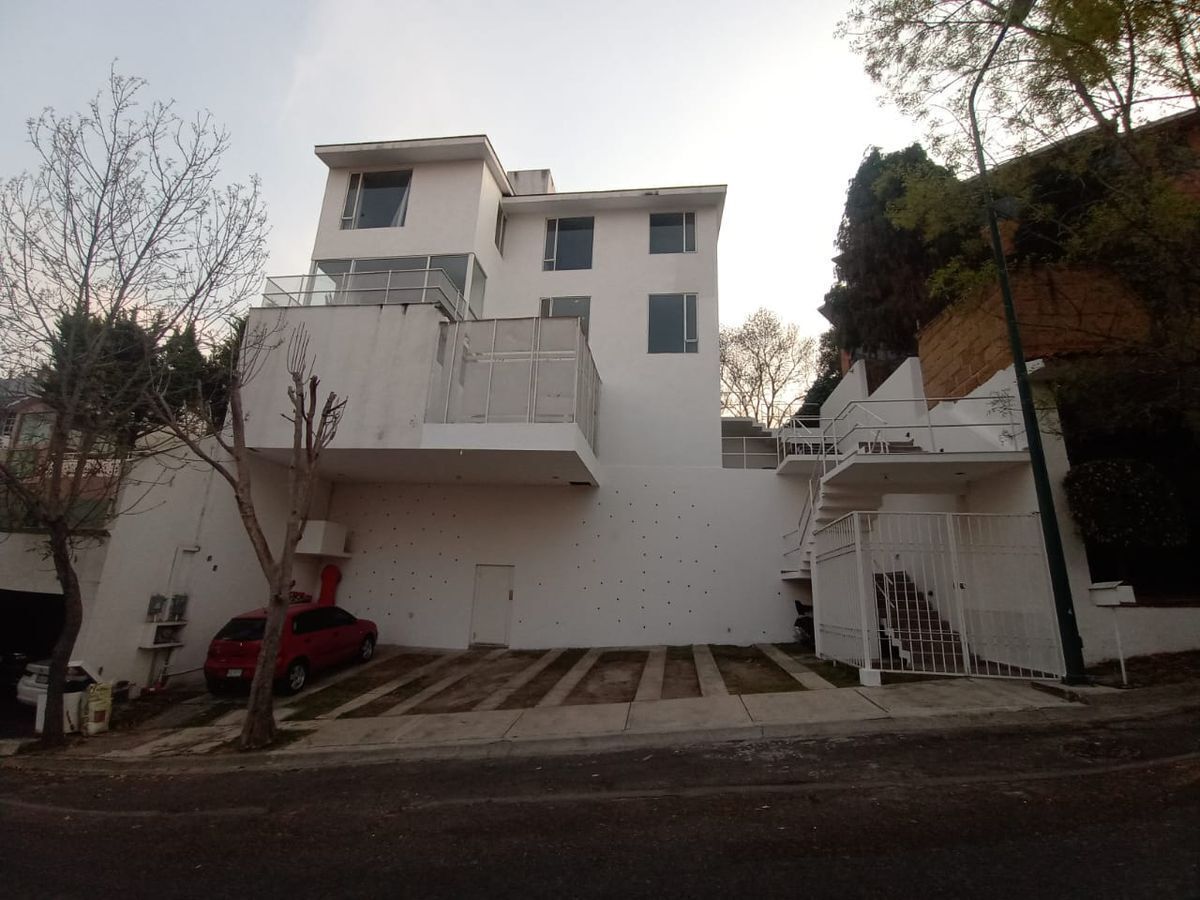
[[258, 730], [60, 550]]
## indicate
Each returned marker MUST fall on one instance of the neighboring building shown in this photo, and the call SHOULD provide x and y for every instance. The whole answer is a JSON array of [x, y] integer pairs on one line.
[[531, 455]]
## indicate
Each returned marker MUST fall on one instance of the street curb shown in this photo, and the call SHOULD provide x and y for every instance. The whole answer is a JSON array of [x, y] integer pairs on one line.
[[1098, 710]]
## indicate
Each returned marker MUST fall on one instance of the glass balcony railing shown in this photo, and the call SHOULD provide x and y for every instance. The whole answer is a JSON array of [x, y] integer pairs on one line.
[[512, 371], [369, 289]]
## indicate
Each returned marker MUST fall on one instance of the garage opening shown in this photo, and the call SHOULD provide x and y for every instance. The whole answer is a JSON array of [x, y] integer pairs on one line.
[[32, 623]]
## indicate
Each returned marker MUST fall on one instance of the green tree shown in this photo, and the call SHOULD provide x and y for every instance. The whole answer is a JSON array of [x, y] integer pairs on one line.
[[881, 296], [1066, 65]]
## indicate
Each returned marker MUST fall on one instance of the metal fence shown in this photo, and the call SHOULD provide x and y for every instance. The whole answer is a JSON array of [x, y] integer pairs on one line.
[[515, 370], [905, 425], [936, 593], [369, 288], [751, 452]]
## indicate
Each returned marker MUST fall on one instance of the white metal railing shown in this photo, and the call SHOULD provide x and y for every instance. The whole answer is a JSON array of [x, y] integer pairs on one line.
[[514, 370], [796, 541], [749, 452], [369, 289], [906, 425], [936, 593]]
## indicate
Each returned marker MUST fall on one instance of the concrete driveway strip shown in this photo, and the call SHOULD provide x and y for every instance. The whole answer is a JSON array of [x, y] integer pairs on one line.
[[518, 681], [811, 680], [651, 684], [709, 676]]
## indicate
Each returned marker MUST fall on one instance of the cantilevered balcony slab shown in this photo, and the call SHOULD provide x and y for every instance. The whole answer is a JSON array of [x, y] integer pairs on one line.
[[501, 401], [921, 472]]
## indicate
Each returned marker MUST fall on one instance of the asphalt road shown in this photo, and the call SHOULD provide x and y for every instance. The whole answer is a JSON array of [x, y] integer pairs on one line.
[[1085, 811]]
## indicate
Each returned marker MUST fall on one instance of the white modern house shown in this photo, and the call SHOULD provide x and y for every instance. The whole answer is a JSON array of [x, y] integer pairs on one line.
[[531, 455]]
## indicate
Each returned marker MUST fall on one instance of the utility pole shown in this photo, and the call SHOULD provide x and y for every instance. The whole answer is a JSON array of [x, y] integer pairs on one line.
[[1060, 582]]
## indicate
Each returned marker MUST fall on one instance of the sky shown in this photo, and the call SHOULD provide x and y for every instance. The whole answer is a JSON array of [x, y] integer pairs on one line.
[[756, 94]]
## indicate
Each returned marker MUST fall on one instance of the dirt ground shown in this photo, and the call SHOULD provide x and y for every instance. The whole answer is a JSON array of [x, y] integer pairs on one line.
[[613, 679], [679, 674], [540, 686], [747, 670], [469, 692], [322, 700]]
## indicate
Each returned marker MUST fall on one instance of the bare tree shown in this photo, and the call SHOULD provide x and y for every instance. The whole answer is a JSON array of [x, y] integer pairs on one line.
[[223, 447], [766, 366], [121, 236]]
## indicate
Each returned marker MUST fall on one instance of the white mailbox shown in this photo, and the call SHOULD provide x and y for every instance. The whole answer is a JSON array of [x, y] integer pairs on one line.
[[1112, 593]]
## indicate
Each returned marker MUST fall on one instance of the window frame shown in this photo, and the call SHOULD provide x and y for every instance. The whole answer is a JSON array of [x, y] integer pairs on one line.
[[550, 249], [691, 336], [548, 303], [348, 220], [686, 219], [501, 228]]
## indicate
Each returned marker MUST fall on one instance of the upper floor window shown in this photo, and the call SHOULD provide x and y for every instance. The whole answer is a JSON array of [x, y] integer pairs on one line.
[[579, 307], [568, 243], [501, 227], [673, 323], [673, 232], [376, 199]]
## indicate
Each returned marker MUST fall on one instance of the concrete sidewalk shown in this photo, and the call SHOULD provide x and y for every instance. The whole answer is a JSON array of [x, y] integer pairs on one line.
[[616, 725]]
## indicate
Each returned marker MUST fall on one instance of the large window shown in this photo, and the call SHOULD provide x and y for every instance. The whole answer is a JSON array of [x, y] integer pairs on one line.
[[568, 243], [557, 307], [673, 323], [672, 232], [376, 200]]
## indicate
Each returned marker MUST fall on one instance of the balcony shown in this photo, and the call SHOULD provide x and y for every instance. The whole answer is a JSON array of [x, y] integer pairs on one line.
[[917, 442], [491, 401], [406, 286]]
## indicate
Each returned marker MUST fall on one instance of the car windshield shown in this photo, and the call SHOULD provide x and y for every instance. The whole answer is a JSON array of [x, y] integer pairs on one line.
[[242, 630]]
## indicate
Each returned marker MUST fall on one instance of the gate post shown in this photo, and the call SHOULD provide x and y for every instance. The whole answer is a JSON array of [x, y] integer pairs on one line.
[[868, 675], [952, 544]]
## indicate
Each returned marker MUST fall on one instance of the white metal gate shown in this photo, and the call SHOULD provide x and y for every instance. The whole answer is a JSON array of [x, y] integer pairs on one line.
[[936, 593]]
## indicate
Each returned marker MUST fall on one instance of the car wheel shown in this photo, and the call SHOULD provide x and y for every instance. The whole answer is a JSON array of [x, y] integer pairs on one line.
[[366, 649], [215, 686], [296, 677]]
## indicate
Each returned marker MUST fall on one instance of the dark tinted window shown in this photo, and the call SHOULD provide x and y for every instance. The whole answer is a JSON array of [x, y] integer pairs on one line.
[[242, 630], [672, 323], [580, 307], [340, 617], [672, 232], [307, 622], [381, 202], [569, 243]]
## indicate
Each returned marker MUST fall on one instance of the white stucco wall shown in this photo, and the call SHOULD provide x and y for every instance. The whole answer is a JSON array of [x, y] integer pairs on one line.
[[379, 358], [443, 214], [654, 555], [655, 408], [178, 507]]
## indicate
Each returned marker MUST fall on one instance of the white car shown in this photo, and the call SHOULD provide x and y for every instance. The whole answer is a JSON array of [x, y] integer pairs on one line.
[[33, 683]]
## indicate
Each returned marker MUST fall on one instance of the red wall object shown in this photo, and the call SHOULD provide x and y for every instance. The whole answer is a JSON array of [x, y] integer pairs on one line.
[[331, 576]]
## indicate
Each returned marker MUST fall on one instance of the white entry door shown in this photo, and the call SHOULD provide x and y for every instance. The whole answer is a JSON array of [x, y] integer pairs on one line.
[[493, 605]]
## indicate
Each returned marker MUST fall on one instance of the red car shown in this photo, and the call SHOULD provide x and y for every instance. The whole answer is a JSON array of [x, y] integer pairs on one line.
[[315, 637]]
